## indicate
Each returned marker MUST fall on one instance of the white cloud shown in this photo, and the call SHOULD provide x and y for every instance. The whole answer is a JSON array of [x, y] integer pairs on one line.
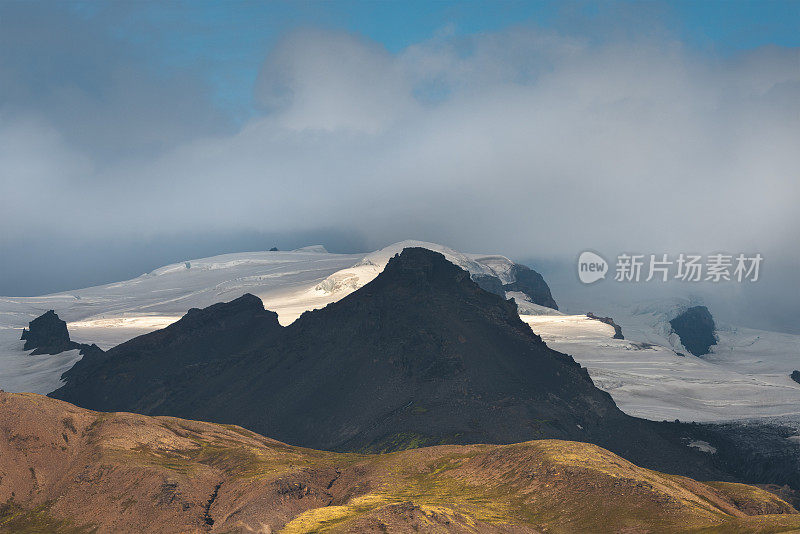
[[333, 81], [38, 174], [520, 141]]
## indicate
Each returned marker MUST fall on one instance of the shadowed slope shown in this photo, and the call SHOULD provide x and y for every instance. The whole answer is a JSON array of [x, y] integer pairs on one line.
[[420, 347]]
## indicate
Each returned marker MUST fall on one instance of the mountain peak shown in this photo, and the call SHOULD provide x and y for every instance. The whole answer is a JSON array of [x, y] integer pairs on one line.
[[422, 264]]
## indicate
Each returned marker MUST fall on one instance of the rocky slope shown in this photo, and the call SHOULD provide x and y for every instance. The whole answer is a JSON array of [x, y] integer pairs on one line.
[[67, 470]]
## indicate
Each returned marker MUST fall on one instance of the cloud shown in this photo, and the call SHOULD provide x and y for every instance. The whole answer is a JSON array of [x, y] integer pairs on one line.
[[315, 80], [523, 141], [101, 93], [37, 171]]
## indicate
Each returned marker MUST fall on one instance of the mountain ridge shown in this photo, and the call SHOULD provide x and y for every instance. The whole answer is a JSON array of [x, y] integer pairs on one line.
[[418, 283], [419, 356]]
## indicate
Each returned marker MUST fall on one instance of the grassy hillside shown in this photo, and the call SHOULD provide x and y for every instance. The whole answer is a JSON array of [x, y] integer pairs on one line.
[[68, 470]]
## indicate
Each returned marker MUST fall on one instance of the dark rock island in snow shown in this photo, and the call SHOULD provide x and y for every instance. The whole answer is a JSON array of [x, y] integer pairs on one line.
[[695, 327], [48, 334]]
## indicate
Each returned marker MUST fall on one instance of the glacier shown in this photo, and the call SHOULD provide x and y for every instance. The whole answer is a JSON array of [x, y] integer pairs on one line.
[[746, 376]]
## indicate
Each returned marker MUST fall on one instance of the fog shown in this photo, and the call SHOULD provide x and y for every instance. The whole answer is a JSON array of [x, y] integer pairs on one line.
[[534, 143]]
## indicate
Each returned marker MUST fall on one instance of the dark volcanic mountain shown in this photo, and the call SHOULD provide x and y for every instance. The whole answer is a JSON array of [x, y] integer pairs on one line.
[[48, 334], [421, 355], [695, 327]]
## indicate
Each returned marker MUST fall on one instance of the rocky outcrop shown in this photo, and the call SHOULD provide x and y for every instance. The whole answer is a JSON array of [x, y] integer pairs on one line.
[[696, 329], [532, 284], [48, 334], [609, 321], [526, 280], [795, 376]]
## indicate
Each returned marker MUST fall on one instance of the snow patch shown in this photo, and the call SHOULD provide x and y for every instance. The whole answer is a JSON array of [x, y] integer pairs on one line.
[[703, 446], [528, 307]]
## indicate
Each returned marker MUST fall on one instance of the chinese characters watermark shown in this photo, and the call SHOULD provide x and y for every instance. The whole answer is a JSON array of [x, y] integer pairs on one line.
[[663, 267]]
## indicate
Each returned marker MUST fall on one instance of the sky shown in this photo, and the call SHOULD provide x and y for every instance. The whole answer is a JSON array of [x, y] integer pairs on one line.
[[135, 134]]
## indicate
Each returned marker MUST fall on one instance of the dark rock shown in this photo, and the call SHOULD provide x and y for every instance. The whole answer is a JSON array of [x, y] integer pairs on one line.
[[608, 321], [526, 280], [695, 328], [532, 284], [47, 334], [795, 376], [180, 353], [490, 283], [751, 452], [274, 249]]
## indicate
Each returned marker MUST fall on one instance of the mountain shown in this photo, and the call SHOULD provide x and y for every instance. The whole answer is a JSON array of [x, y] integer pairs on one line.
[[695, 327], [745, 376], [421, 346], [67, 470], [288, 282], [494, 273], [419, 356]]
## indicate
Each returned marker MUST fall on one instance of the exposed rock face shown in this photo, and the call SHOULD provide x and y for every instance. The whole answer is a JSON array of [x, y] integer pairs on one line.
[[48, 334], [526, 280], [68, 470], [420, 355], [490, 283], [609, 321], [695, 327], [532, 284], [795, 376]]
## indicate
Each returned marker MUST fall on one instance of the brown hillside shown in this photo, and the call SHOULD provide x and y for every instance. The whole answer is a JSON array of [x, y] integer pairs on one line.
[[65, 469]]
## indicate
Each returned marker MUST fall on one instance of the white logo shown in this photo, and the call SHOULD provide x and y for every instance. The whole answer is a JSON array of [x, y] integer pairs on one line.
[[591, 267]]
